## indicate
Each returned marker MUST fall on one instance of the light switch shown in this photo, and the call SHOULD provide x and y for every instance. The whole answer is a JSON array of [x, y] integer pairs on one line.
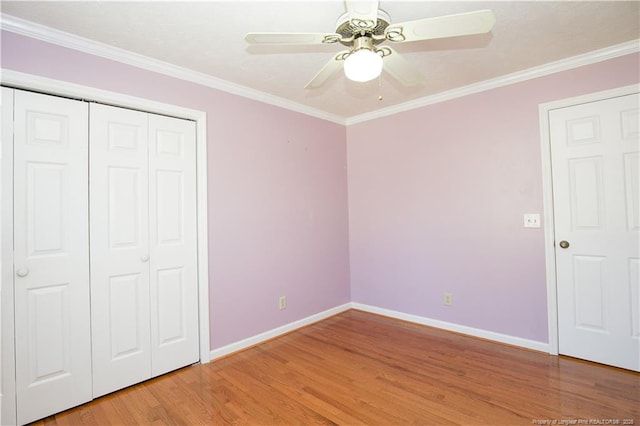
[[532, 220]]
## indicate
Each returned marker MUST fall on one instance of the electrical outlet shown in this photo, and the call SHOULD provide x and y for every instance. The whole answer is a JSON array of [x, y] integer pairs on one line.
[[448, 299], [283, 302], [532, 220]]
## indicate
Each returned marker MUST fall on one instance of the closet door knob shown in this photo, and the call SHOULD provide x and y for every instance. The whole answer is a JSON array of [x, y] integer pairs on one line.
[[144, 258], [22, 272]]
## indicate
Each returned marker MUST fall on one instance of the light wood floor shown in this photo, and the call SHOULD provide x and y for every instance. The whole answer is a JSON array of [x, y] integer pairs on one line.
[[359, 368]]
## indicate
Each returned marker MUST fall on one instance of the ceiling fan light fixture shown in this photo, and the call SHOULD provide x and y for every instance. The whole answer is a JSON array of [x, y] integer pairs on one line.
[[364, 64]]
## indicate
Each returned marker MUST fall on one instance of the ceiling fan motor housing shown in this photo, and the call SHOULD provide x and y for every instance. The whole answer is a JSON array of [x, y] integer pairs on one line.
[[352, 29]]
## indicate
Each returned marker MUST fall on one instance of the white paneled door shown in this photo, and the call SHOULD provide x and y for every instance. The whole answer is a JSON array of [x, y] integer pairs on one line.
[[103, 273], [596, 190], [51, 245], [144, 287], [119, 218], [173, 243]]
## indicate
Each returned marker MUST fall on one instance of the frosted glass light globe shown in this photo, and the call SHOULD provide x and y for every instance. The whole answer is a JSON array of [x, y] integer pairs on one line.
[[363, 65]]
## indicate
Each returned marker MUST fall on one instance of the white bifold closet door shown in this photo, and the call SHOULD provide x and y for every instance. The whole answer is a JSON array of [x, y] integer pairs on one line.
[[51, 255], [143, 246], [119, 248]]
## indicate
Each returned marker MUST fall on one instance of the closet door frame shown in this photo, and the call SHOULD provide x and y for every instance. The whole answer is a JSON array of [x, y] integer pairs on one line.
[[18, 80], [8, 408]]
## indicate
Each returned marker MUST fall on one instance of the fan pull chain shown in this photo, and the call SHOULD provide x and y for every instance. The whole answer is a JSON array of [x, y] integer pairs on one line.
[[380, 87]]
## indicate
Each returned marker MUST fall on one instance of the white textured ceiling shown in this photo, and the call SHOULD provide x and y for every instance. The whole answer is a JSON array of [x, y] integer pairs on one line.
[[208, 37]]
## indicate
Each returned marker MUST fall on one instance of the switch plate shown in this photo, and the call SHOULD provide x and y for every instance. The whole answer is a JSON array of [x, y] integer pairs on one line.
[[448, 299], [532, 220], [282, 303]]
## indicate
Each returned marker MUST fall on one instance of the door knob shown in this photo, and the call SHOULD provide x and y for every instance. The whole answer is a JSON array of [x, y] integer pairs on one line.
[[144, 257], [22, 272], [564, 244]]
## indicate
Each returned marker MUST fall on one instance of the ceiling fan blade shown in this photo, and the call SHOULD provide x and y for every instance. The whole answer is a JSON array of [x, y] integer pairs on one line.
[[363, 13], [291, 38], [335, 64], [478, 22], [401, 69]]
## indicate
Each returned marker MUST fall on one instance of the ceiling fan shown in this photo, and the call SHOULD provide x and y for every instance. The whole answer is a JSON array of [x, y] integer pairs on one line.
[[364, 27]]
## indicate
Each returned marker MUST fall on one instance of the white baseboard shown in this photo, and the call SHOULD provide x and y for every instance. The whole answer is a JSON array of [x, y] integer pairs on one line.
[[267, 335], [463, 329]]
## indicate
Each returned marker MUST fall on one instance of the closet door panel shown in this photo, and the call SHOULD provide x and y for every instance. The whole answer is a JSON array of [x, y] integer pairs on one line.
[[51, 244], [173, 244], [119, 248]]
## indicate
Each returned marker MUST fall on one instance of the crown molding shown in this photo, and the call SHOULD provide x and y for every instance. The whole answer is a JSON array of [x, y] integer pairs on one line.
[[64, 39], [60, 38], [505, 80]]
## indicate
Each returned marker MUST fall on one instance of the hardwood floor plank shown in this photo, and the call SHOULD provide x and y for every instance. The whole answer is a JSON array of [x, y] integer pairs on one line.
[[358, 368]]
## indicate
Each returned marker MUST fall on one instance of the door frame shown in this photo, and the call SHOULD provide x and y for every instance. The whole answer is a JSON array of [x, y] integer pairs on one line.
[[547, 195], [19, 80], [8, 409]]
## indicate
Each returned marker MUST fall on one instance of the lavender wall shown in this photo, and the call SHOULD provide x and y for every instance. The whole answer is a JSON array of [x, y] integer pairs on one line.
[[277, 195], [436, 198]]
